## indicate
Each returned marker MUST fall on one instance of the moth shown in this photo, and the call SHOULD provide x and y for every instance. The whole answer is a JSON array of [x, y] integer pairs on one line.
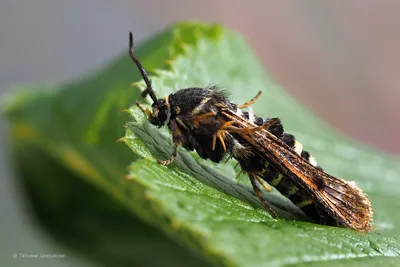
[[204, 120]]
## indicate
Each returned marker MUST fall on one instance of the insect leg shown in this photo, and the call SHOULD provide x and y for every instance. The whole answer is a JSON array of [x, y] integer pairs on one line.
[[221, 133], [263, 183], [176, 139], [221, 139], [251, 101], [239, 173], [199, 118], [205, 115], [146, 111], [259, 194], [228, 158], [220, 136], [172, 158]]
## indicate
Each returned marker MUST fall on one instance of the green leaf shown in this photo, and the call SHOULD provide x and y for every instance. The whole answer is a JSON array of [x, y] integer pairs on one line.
[[90, 221], [197, 204]]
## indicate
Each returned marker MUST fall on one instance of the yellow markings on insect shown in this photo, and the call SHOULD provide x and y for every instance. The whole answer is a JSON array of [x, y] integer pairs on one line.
[[181, 123], [298, 147], [276, 180], [304, 203], [197, 109], [265, 168], [313, 161], [292, 190], [221, 105]]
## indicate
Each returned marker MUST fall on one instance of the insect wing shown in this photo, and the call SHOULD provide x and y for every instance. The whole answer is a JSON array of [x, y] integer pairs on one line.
[[343, 200]]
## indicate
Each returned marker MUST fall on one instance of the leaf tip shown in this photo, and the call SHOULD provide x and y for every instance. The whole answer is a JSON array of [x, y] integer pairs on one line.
[[184, 47], [135, 84], [169, 62], [128, 177], [121, 140]]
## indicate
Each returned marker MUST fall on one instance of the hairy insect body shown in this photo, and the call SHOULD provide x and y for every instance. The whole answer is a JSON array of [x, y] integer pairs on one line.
[[197, 122], [204, 120], [197, 119]]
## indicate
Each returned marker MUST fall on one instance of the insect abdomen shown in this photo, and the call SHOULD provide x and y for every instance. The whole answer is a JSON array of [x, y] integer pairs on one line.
[[285, 186], [258, 166], [295, 194]]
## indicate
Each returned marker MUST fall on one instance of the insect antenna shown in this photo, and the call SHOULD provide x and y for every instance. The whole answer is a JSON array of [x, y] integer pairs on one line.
[[149, 90]]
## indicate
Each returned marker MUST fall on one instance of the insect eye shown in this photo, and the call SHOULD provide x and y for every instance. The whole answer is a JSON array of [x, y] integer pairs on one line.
[[162, 115]]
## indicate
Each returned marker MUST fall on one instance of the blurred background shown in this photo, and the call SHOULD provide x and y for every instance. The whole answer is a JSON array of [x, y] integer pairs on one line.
[[340, 58]]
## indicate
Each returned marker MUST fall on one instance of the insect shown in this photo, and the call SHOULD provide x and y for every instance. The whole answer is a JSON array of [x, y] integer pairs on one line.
[[204, 120]]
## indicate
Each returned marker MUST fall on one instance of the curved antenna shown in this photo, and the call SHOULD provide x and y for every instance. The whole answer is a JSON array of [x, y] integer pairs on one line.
[[149, 90]]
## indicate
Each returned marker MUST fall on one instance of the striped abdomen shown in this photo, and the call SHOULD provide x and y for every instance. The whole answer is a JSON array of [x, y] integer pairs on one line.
[[258, 166]]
